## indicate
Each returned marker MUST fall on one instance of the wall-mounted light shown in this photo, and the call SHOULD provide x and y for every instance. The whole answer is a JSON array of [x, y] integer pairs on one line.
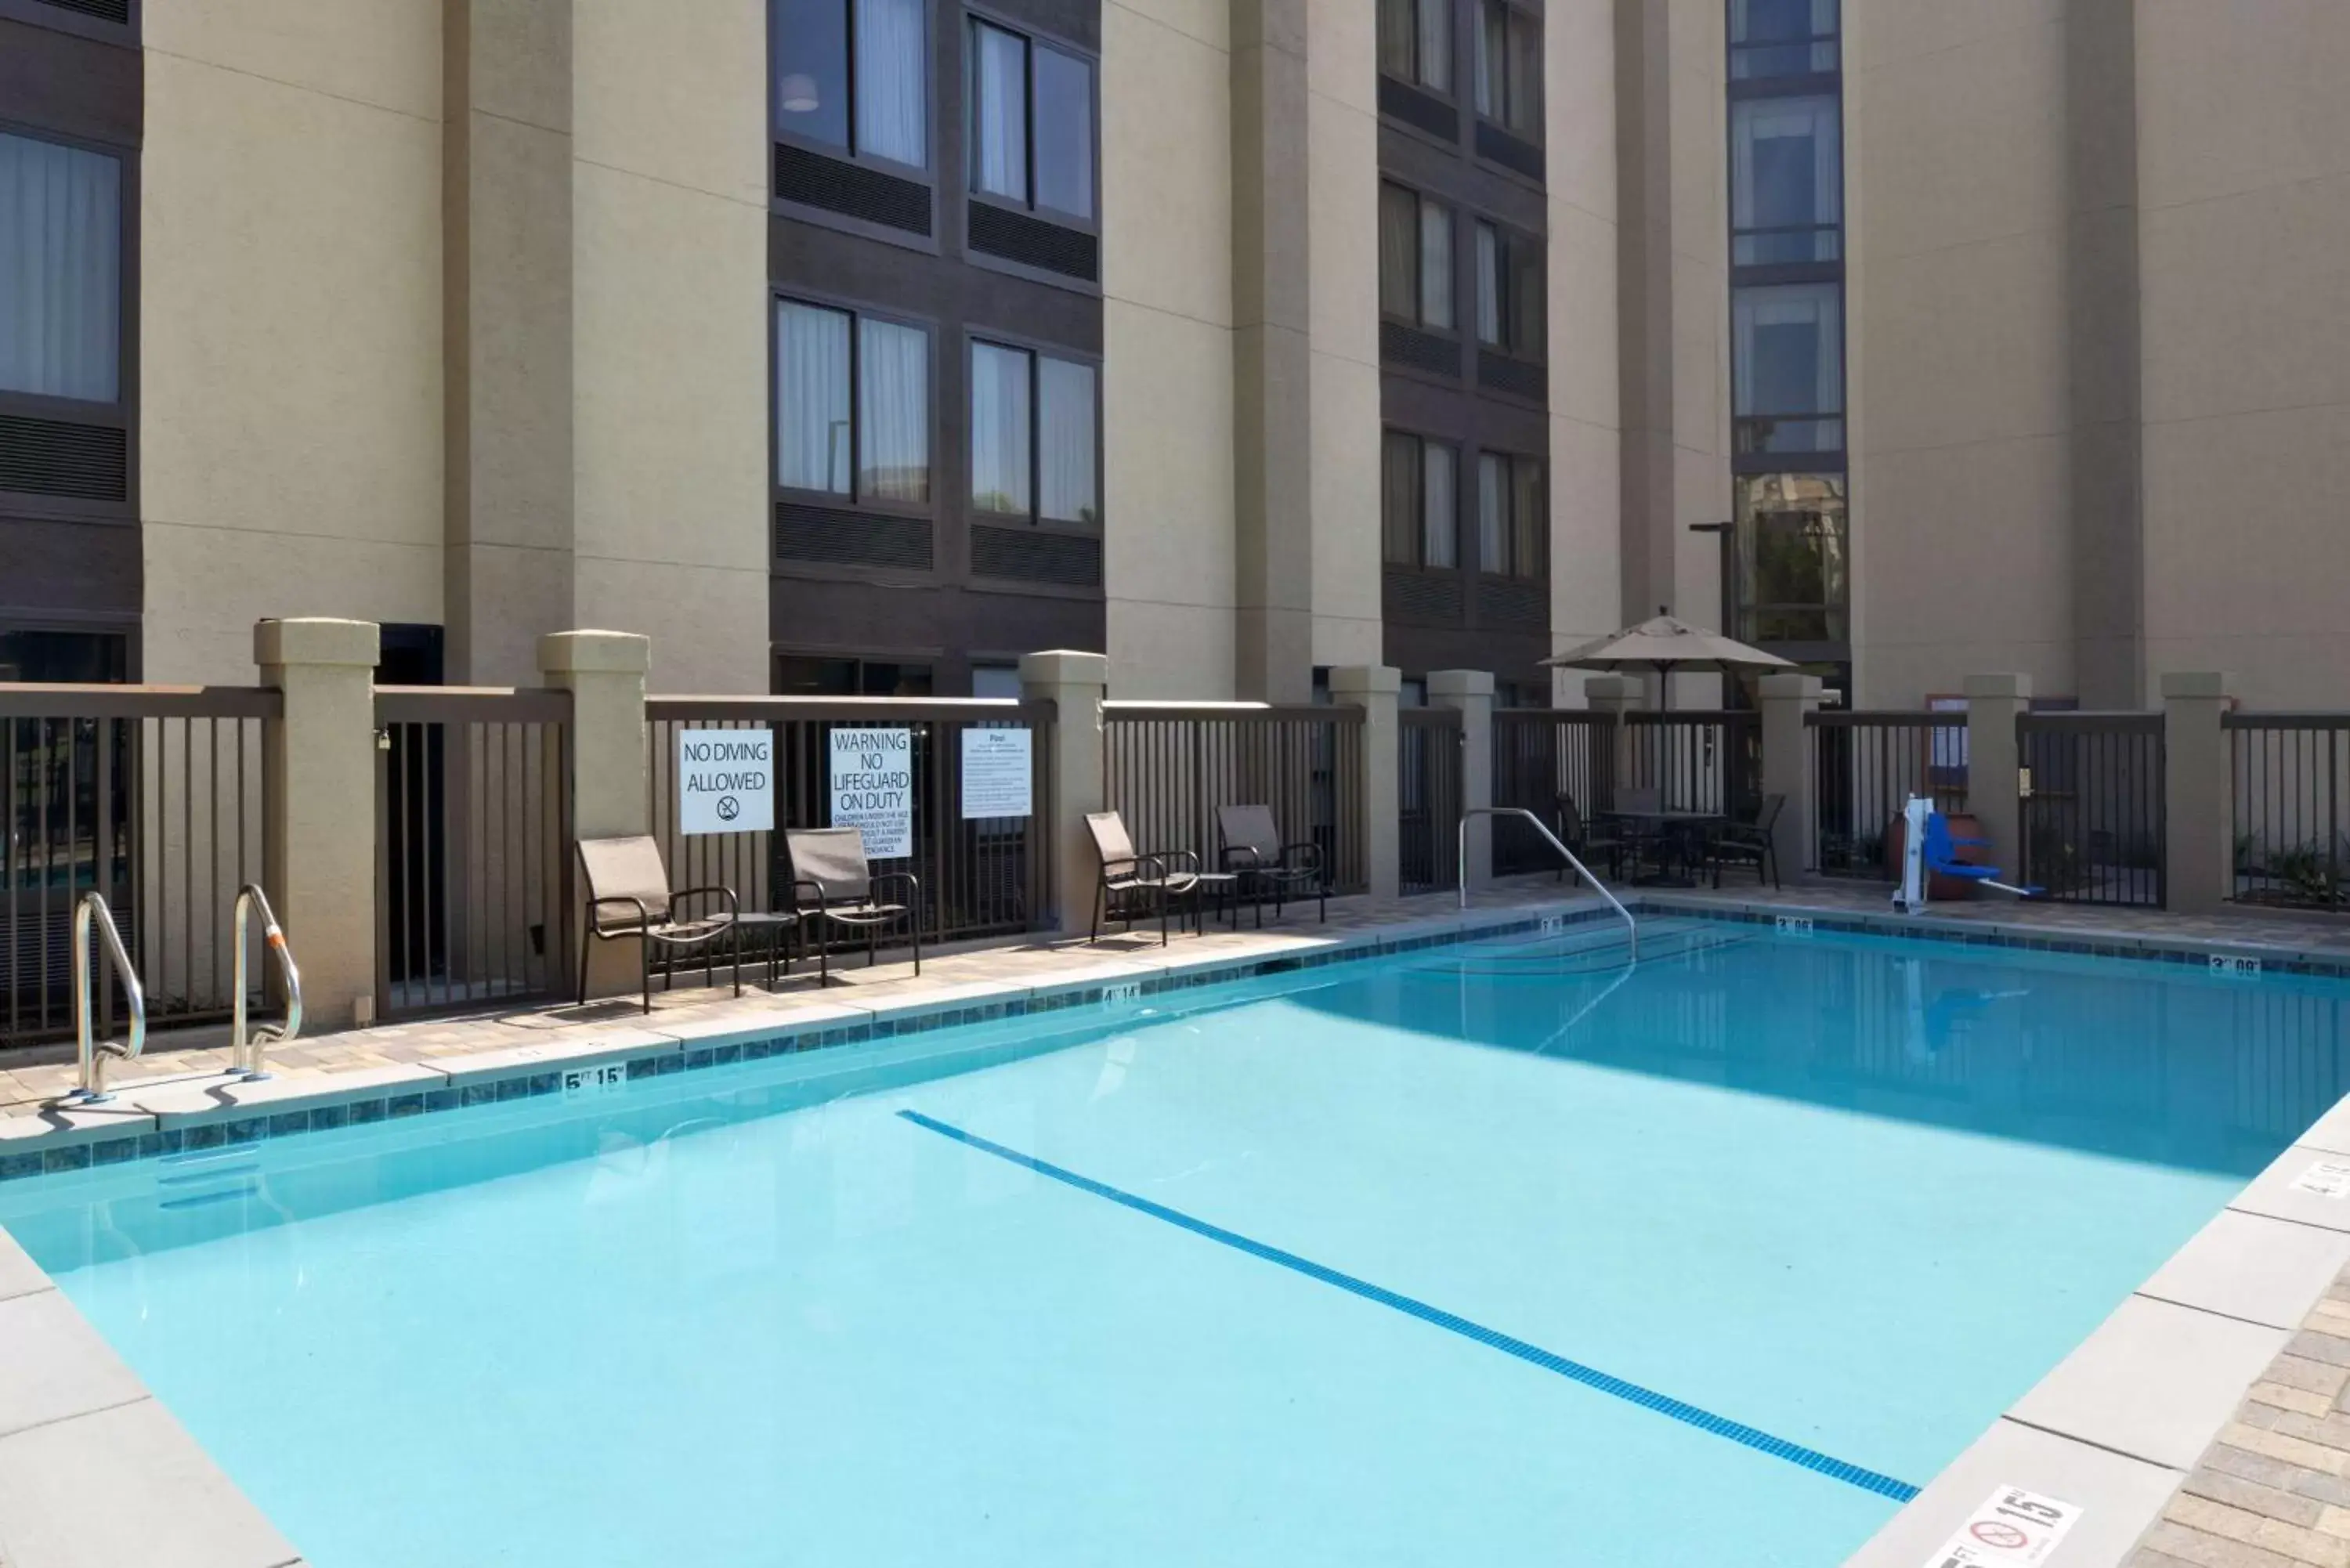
[[799, 94]]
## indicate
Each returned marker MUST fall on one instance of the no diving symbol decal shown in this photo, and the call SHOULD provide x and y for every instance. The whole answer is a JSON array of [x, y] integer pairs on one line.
[[729, 808], [1992, 1533], [2012, 1529]]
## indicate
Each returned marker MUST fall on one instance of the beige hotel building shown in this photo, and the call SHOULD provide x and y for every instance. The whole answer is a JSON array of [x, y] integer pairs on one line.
[[863, 345]]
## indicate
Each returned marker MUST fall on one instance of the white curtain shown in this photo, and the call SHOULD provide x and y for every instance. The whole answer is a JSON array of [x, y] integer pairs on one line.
[[1492, 512], [999, 428], [893, 412], [812, 398], [1436, 44], [1439, 512], [1435, 265], [999, 151], [1493, 48], [1789, 343], [1069, 486], [1489, 285], [60, 270], [892, 83], [1811, 124]]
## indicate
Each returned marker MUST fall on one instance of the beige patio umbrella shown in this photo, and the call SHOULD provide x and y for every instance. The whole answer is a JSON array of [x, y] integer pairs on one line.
[[1664, 644]]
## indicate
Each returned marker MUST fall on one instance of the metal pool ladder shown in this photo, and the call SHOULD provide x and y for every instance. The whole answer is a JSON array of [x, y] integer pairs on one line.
[[1550, 838], [246, 1053], [93, 910]]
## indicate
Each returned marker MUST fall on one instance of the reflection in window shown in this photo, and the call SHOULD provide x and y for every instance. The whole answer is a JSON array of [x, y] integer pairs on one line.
[[1416, 42], [1065, 441], [1414, 258], [1420, 505], [1017, 85], [812, 380], [812, 675], [1035, 423], [1788, 367], [1786, 180], [1511, 516], [1793, 581], [60, 271], [1509, 68], [1781, 39], [1000, 439], [1510, 285], [1064, 133], [811, 47], [815, 368]]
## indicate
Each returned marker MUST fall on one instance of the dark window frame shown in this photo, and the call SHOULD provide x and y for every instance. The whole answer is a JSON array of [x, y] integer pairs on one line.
[[976, 515], [1779, 82], [1421, 442], [1421, 201], [1031, 37], [1794, 271], [1508, 237], [1513, 528], [857, 312], [1533, 17], [1417, 81], [123, 413], [37, 13], [925, 659], [852, 154]]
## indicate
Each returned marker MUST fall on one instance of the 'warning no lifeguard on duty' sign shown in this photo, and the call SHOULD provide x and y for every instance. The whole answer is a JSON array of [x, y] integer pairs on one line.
[[725, 781]]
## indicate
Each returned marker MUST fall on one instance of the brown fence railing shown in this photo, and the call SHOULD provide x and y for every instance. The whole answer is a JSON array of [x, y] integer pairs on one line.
[[473, 903], [1540, 754], [2092, 805], [980, 876], [1428, 799], [1864, 768], [152, 795], [1168, 766], [2291, 829]]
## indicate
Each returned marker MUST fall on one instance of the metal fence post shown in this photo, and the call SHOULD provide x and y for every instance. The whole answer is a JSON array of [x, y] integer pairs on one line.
[[1470, 692], [1994, 765], [2199, 826], [1787, 702], [319, 758], [1075, 684], [1377, 689], [610, 786]]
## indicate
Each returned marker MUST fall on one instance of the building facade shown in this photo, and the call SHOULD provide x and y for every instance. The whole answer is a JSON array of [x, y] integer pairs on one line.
[[861, 346]]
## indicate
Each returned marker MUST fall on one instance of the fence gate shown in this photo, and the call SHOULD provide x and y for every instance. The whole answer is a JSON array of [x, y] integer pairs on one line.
[[1427, 798], [2090, 803], [2289, 775]]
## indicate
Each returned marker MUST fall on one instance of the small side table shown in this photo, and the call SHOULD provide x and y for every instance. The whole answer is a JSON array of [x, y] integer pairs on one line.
[[1224, 888], [773, 930]]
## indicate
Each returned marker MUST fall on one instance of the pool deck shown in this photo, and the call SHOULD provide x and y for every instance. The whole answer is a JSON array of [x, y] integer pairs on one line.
[[2206, 1423]]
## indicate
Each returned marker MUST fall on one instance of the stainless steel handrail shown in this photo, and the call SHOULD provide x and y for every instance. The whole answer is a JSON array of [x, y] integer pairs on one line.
[[92, 910], [245, 1054], [1552, 839]]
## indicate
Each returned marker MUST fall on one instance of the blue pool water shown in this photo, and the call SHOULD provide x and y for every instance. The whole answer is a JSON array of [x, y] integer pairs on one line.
[[1487, 1255]]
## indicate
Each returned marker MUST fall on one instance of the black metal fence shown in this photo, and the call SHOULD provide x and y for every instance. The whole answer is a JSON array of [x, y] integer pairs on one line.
[[2091, 806], [1697, 761], [473, 903], [152, 795], [1429, 764], [2291, 821], [980, 876], [1168, 766], [1542, 755], [1864, 768]]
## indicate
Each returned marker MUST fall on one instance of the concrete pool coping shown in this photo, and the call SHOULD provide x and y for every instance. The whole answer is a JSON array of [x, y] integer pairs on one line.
[[2116, 1429]]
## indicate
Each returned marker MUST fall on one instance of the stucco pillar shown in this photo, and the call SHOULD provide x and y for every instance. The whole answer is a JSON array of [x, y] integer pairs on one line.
[[1787, 701], [610, 785], [1376, 690], [2198, 796], [1993, 764], [1470, 693], [318, 831], [1075, 684]]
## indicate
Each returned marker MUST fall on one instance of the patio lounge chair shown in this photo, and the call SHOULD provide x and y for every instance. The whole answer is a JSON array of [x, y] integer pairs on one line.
[[1133, 879], [833, 881], [1750, 842], [628, 899], [1579, 834], [1252, 848]]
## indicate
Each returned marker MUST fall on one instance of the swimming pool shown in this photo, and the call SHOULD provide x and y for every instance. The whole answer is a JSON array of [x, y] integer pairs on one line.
[[1493, 1253]]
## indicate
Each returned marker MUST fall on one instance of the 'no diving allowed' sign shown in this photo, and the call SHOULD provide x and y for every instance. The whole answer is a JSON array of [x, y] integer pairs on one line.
[[725, 781]]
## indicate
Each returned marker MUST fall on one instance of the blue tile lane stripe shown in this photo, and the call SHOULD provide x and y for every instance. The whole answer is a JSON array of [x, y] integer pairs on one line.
[[1533, 1354]]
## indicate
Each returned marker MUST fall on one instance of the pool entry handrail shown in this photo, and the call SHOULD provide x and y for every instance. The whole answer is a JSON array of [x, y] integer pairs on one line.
[[247, 1052], [93, 910], [1551, 838]]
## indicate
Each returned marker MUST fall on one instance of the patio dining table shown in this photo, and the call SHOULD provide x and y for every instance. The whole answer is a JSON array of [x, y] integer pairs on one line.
[[1679, 834]]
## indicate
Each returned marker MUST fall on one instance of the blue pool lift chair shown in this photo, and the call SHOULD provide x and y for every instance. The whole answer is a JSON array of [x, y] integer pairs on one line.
[[1937, 855]]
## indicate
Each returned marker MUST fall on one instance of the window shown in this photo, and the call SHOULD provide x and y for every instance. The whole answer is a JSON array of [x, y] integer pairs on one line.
[[1787, 379], [1419, 504], [997, 681], [1035, 443], [1781, 39], [1792, 582], [1786, 180], [1416, 42], [1414, 258], [878, 108], [829, 361], [1509, 285], [812, 675], [1512, 523], [1509, 68], [1031, 122], [60, 271]]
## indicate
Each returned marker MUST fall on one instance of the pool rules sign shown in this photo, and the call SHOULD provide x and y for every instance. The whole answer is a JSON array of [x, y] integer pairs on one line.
[[873, 789], [725, 781]]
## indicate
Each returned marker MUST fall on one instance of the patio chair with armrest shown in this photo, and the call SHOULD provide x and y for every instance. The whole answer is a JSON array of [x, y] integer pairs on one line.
[[1750, 842], [832, 881], [1133, 879], [1639, 832], [628, 897], [1578, 834], [1253, 848]]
